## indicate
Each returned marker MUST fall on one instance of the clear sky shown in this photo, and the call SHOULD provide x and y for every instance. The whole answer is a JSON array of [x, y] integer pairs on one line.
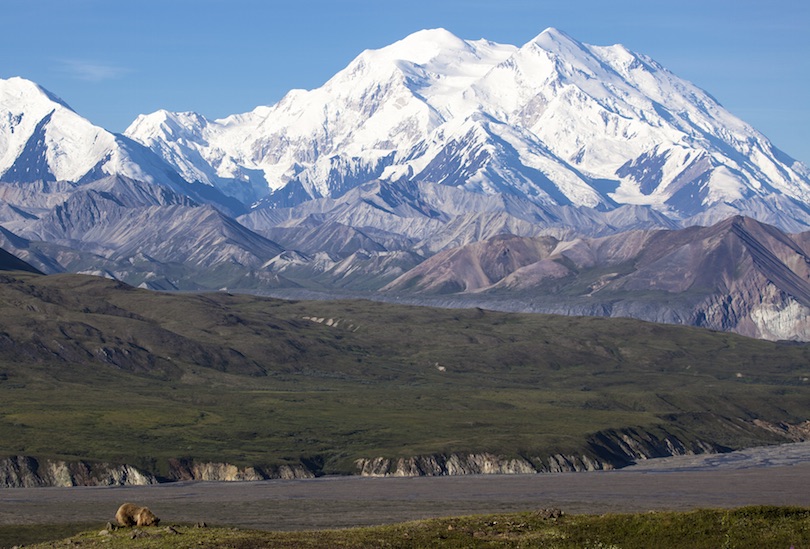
[[114, 59]]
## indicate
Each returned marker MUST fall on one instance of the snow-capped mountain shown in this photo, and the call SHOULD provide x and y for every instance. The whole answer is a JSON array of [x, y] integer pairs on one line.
[[43, 139], [142, 233], [556, 121], [430, 151]]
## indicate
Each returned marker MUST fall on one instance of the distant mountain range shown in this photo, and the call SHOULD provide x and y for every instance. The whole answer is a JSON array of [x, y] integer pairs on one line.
[[555, 122], [738, 275], [435, 168]]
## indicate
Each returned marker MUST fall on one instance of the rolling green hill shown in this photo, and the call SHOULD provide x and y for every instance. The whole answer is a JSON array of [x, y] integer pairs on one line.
[[92, 369]]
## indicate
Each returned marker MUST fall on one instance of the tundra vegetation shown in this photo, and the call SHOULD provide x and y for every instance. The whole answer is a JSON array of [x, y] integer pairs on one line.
[[748, 527], [91, 369]]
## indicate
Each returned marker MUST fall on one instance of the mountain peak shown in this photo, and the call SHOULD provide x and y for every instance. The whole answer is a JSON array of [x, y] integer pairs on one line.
[[552, 38], [553, 33], [18, 89], [422, 46], [173, 124], [436, 35], [567, 122]]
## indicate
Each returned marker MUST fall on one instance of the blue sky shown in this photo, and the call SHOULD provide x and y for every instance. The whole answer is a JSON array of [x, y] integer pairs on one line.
[[114, 59]]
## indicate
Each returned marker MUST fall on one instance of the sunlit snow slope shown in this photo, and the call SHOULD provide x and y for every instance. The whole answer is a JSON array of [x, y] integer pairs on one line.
[[555, 121]]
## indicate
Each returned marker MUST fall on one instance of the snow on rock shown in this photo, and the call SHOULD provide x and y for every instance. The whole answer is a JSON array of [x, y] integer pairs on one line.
[[556, 121], [43, 139]]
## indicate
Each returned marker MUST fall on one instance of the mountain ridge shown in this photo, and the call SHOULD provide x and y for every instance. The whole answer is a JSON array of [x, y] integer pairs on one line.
[[432, 145], [738, 275], [559, 121], [555, 121]]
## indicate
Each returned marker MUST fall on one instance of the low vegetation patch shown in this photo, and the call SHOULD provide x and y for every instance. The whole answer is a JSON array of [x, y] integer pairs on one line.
[[748, 527]]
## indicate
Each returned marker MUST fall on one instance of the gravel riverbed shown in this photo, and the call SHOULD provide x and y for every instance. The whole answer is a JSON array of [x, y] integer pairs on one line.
[[777, 475]]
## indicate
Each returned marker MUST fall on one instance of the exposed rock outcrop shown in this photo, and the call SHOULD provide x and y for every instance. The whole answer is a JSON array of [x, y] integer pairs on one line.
[[181, 469], [610, 449], [604, 451], [794, 433], [29, 472], [440, 465], [621, 447]]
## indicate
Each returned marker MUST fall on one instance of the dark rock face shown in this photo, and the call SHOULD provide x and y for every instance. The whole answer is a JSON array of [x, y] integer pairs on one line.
[[10, 262], [32, 163]]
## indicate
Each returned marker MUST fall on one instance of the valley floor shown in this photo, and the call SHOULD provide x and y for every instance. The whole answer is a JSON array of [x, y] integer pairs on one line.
[[775, 475]]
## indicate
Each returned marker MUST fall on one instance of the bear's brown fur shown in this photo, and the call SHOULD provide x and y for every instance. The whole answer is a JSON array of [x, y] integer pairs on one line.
[[130, 514]]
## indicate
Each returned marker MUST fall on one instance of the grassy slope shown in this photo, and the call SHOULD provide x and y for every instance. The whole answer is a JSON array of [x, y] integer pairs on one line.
[[750, 527], [90, 369]]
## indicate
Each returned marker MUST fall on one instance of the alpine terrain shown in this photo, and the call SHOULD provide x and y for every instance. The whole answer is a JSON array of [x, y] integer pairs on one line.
[[555, 176]]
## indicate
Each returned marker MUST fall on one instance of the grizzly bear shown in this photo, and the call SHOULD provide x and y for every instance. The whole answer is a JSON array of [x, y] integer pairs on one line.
[[132, 515]]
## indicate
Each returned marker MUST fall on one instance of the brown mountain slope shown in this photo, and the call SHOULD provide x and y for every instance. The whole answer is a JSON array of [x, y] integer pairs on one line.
[[738, 275], [475, 266]]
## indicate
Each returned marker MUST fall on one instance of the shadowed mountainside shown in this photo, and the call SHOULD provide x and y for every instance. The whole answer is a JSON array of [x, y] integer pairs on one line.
[[10, 262]]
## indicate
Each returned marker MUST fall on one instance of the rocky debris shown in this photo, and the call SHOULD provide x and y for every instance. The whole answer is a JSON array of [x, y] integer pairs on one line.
[[138, 533], [333, 322], [549, 514]]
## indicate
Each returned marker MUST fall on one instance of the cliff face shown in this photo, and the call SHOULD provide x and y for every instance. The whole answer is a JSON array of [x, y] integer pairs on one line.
[[604, 451], [29, 472], [191, 470], [439, 465]]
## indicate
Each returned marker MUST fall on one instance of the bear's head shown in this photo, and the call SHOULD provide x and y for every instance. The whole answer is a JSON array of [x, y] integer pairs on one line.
[[147, 518]]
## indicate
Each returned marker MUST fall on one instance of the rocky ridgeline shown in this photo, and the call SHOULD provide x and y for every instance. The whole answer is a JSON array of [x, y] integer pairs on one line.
[[28, 472], [606, 450], [190, 470]]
